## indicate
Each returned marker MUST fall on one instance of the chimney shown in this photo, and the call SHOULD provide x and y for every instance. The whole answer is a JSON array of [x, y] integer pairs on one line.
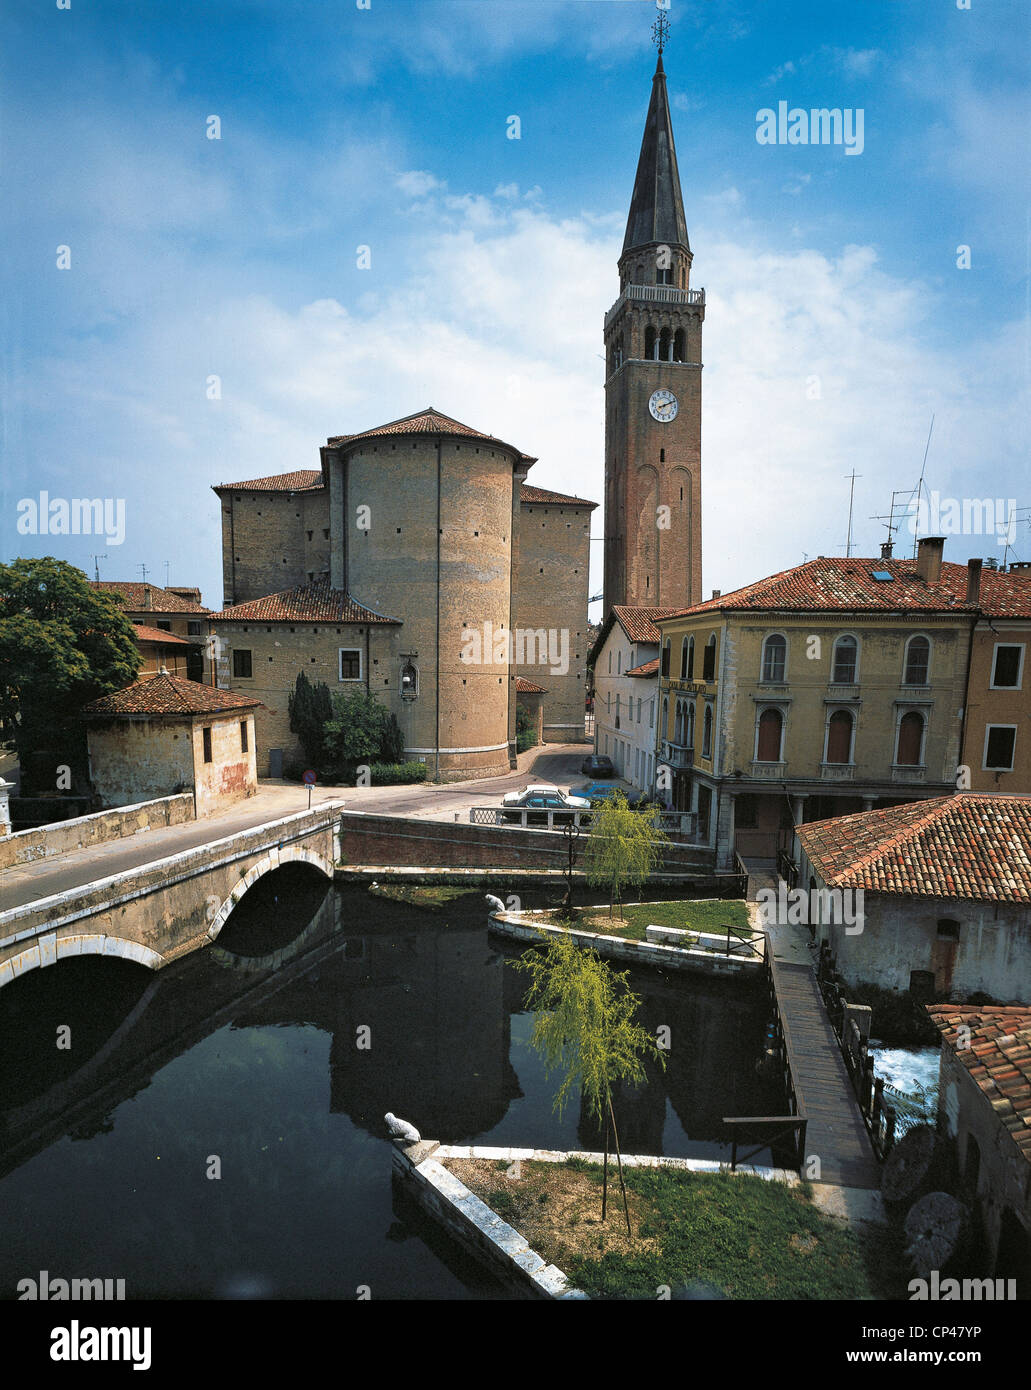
[[1019, 566], [929, 558], [716, 593], [973, 581], [886, 549], [148, 600]]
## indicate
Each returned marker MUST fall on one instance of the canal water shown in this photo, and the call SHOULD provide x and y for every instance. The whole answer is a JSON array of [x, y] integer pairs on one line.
[[216, 1130]]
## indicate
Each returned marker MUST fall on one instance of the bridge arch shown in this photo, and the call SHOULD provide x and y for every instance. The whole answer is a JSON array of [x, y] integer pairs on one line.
[[275, 859], [48, 950]]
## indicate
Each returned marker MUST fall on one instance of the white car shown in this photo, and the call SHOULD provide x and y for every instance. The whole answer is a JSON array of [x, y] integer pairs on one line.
[[538, 800]]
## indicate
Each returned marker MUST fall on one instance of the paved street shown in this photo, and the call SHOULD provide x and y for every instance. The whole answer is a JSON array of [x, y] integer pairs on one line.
[[558, 763]]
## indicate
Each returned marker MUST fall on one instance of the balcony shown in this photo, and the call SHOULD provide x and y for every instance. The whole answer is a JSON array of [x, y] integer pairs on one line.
[[678, 754], [905, 773], [837, 772], [768, 772], [656, 294]]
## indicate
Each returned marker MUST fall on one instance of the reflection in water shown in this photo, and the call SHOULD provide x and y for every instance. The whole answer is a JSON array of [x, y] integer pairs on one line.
[[277, 1052]]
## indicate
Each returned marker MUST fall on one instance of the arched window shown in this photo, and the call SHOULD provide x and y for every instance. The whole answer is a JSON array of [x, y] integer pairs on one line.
[[665, 346], [665, 658], [619, 351], [678, 728], [839, 737], [709, 659], [619, 663], [918, 661], [707, 732], [618, 699], [689, 738], [679, 345], [690, 658], [650, 343], [683, 659], [775, 656], [664, 726], [911, 740], [846, 661], [768, 736], [638, 709]]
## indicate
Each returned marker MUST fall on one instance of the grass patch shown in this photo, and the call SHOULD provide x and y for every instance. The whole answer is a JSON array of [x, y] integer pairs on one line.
[[701, 1234], [710, 915], [419, 895]]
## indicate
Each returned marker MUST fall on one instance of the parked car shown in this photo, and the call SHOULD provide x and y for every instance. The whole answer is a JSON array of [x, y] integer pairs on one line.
[[597, 766], [597, 792], [538, 801]]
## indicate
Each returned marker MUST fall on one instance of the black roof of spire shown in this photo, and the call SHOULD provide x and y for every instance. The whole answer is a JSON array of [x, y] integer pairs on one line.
[[657, 207]]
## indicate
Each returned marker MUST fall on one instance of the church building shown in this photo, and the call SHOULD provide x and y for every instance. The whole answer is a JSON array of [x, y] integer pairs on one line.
[[653, 390], [418, 565]]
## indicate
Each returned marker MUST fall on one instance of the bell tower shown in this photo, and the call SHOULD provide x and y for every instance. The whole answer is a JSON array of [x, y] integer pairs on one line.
[[653, 387]]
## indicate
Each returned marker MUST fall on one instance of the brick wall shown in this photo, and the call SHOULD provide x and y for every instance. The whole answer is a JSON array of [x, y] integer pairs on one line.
[[395, 840]]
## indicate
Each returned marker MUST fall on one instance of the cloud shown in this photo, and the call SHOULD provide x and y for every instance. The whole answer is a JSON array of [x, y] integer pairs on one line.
[[784, 70], [416, 183], [496, 321]]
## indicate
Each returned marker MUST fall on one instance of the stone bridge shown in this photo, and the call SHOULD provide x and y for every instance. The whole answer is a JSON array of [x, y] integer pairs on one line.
[[159, 911]]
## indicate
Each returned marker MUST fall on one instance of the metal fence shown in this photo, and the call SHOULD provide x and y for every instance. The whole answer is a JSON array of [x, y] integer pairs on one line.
[[679, 823]]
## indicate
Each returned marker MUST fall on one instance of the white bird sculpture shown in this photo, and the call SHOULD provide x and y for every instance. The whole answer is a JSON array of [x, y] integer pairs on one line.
[[496, 904], [401, 1130]]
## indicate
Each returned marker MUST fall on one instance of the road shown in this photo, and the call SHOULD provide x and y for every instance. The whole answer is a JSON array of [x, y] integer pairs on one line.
[[26, 883]]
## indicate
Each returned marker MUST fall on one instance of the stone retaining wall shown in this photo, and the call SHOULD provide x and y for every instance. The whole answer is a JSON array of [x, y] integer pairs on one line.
[[522, 927], [400, 840], [61, 837], [480, 1231]]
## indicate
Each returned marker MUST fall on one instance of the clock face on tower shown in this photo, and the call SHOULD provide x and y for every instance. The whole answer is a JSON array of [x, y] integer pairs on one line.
[[663, 406]]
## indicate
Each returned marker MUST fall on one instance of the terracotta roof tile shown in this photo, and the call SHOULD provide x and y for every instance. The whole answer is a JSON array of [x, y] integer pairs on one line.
[[313, 603], [639, 623], [134, 597], [168, 695], [157, 634], [647, 668], [974, 845], [995, 1048], [428, 421], [525, 687], [832, 585], [530, 495], [301, 480]]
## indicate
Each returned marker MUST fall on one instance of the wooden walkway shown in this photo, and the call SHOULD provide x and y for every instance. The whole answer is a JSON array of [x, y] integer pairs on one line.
[[835, 1133]]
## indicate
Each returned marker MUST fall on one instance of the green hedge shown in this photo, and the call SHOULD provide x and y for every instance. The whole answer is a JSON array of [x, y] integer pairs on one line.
[[397, 774]]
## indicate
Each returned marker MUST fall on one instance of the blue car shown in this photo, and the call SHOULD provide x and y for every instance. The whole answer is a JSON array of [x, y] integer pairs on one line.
[[596, 792]]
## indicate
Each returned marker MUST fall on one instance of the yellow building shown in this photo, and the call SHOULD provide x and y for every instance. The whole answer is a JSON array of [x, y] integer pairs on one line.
[[827, 689], [997, 732]]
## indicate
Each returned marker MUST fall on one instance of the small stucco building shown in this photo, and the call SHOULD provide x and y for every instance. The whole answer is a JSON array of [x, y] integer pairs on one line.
[[625, 661], [984, 1113], [946, 884], [166, 734]]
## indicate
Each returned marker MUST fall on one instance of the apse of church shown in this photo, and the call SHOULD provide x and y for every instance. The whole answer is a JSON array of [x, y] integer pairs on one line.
[[653, 390]]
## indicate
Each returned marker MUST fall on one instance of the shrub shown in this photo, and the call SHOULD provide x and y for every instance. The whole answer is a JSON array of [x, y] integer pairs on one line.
[[397, 774]]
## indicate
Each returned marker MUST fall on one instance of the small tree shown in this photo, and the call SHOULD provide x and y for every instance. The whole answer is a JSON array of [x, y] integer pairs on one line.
[[623, 846], [63, 643], [584, 1023], [310, 708], [392, 749], [356, 732]]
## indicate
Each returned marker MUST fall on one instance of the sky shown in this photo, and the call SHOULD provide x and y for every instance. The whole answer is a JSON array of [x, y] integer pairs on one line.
[[365, 239]]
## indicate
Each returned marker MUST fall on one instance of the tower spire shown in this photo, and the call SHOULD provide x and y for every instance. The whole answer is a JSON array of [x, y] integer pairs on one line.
[[657, 206]]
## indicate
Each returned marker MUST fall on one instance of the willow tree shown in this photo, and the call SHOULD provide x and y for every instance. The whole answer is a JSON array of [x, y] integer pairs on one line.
[[584, 1025], [623, 847]]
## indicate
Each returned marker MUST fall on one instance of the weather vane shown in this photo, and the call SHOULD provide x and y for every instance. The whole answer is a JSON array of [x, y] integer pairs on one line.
[[660, 31]]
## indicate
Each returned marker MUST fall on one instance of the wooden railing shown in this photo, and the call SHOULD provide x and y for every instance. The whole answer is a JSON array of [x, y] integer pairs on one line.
[[880, 1119], [775, 1127]]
